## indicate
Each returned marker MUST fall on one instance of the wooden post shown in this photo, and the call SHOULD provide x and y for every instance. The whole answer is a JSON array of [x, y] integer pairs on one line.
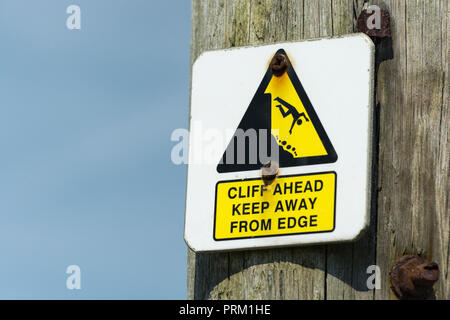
[[411, 211]]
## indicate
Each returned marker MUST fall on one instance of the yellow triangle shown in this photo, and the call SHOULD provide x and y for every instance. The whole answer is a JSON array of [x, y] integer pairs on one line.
[[291, 124]]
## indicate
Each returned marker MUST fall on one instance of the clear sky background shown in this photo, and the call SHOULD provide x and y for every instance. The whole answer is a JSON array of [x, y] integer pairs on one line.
[[85, 171]]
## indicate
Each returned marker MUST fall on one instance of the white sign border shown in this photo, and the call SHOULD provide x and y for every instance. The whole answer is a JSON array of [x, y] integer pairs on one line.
[[285, 240]]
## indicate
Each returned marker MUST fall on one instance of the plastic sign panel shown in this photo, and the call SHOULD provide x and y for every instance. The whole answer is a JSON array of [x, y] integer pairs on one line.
[[314, 121]]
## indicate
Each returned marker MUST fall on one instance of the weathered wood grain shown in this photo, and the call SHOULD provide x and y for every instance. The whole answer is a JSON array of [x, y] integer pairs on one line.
[[411, 214]]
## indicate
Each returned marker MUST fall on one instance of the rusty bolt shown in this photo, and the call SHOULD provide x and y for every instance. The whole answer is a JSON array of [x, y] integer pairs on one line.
[[279, 64], [413, 278], [269, 172], [385, 25]]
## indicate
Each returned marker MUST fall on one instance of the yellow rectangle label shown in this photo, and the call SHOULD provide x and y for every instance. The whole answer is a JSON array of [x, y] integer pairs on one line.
[[290, 205]]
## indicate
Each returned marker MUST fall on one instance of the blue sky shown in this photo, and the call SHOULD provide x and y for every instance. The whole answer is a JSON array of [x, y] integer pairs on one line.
[[85, 123]]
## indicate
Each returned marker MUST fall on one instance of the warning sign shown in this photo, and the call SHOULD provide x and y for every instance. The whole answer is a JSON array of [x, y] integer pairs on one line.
[[283, 110], [280, 144], [291, 205]]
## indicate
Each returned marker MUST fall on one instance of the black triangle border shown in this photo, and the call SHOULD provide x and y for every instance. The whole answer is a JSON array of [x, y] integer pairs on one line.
[[331, 156]]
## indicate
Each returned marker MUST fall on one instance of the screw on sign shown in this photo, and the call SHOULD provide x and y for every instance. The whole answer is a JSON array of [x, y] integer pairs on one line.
[[279, 64], [269, 172], [413, 278]]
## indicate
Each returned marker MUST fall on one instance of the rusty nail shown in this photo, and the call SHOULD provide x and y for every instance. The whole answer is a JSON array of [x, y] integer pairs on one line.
[[413, 278], [385, 25], [269, 172], [279, 64]]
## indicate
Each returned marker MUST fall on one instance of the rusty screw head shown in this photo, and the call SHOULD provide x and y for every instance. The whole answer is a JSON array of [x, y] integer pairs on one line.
[[279, 64], [413, 278], [385, 26], [269, 172]]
